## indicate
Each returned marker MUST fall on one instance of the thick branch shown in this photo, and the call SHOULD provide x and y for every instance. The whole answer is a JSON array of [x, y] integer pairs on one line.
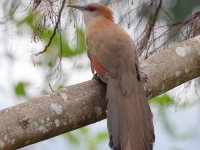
[[82, 104]]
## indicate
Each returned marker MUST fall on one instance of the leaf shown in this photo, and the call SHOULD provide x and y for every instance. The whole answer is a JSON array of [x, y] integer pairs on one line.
[[20, 89], [80, 48], [162, 100], [102, 136], [84, 130], [72, 138]]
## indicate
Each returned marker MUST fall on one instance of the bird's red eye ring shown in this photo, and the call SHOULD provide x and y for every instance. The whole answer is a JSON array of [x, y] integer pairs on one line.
[[91, 8]]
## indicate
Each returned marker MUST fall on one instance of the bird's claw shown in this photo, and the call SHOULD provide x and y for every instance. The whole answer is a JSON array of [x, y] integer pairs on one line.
[[95, 76], [144, 76]]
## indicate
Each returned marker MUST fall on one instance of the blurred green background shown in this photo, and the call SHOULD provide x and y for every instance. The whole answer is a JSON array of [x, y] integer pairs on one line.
[[176, 117]]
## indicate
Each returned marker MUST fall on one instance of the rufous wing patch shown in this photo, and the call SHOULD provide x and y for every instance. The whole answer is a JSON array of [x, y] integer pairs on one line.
[[95, 65]]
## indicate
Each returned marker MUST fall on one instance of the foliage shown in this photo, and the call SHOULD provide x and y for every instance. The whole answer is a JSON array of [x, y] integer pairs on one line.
[[89, 139], [20, 89], [40, 17]]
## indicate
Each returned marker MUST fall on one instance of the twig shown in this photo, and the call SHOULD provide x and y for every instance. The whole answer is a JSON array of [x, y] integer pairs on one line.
[[54, 32]]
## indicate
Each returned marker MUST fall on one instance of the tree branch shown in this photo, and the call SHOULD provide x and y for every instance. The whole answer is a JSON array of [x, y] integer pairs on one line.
[[82, 104]]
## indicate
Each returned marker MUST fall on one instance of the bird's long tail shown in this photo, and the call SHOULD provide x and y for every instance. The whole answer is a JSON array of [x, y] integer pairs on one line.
[[129, 118]]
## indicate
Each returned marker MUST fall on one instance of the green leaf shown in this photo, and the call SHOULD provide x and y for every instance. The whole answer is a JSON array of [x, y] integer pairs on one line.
[[20, 89], [162, 100], [102, 136], [80, 48], [84, 130], [72, 138]]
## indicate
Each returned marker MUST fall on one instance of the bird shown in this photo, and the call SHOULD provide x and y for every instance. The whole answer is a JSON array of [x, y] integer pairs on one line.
[[114, 59]]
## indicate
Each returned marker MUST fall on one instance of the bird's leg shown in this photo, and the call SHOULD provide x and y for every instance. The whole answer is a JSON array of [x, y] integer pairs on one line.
[[95, 76], [140, 74], [143, 76]]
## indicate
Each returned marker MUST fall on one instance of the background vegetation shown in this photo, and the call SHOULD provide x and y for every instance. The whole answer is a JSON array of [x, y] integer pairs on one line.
[[26, 28]]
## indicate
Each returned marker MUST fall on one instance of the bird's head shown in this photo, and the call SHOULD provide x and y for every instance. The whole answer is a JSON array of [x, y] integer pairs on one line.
[[94, 10]]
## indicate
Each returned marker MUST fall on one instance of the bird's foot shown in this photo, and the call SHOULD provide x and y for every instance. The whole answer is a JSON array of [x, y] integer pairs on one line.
[[96, 77], [144, 76]]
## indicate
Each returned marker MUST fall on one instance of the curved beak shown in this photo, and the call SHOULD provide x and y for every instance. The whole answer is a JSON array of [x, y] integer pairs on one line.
[[82, 8]]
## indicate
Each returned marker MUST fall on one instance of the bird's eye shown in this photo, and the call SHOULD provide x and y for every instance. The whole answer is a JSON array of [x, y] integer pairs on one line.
[[91, 8]]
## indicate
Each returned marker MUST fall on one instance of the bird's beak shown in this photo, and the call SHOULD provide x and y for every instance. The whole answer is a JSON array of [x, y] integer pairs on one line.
[[77, 7]]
